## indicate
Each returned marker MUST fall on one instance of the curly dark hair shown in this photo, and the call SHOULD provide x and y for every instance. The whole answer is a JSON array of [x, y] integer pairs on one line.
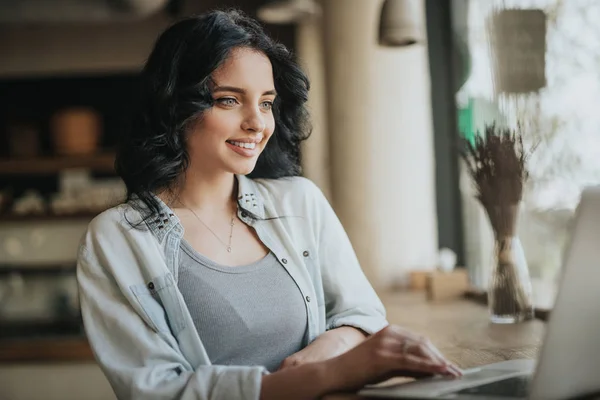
[[176, 88]]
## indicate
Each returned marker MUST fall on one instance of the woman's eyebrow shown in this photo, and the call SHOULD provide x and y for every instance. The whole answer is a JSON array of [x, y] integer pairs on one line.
[[240, 90]]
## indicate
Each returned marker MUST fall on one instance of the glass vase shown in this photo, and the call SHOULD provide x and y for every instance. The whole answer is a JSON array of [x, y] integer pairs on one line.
[[510, 297], [509, 292]]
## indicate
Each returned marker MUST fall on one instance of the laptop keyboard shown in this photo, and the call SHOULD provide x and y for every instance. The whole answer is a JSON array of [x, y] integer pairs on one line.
[[517, 386]]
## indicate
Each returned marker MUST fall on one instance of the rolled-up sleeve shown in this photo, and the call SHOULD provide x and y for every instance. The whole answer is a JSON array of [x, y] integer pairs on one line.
[[138, 361], [350, 300]]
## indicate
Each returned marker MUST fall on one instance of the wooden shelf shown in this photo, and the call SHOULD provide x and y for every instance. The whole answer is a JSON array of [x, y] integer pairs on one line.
[[37, 269], [47, 217], [101, 162], [55, 349]]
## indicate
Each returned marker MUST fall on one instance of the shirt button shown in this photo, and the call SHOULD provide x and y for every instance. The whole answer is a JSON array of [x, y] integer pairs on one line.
[[151, 286], [308, 299], [284, 260], [306, 253]]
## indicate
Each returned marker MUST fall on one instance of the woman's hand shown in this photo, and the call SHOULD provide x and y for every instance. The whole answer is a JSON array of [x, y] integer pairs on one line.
[[391, 352], [328, 345]]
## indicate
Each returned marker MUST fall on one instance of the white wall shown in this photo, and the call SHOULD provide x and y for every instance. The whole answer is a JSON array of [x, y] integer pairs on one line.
[[404, 176], [381, 136], [316, 163]]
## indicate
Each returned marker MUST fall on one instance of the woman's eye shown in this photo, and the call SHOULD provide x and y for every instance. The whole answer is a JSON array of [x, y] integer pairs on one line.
[[266, 105], [227, 101]]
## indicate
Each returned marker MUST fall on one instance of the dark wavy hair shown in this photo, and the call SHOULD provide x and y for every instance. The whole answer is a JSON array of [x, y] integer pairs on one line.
[[176, 88]]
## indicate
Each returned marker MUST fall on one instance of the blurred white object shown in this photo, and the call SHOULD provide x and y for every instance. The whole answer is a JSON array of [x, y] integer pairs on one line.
[[30, 203], [72, 181], [13, 286], [79, 193], [13, 247], [16, 283], [38, 237], [446, 259]]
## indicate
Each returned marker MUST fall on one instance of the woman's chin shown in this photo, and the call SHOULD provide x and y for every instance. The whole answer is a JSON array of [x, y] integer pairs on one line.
[[243, 169]]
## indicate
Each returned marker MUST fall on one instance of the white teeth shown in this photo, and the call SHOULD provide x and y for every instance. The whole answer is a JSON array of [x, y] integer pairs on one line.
[[244, 145]]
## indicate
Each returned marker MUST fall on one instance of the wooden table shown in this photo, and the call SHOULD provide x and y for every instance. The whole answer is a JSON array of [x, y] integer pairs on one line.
[[461, 330]]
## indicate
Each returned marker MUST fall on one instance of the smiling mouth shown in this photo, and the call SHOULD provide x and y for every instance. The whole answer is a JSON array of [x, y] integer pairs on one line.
[[243, 145]]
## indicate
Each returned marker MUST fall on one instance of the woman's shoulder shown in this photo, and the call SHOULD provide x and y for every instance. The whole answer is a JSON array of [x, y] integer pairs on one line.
[[291, 195], [296, 186], [113, 219]]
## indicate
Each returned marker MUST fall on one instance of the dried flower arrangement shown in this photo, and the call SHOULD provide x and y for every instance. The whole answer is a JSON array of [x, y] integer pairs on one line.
[[497, 164]]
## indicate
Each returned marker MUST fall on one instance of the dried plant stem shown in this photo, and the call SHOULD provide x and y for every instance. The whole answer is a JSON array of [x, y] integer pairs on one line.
[[508, 296]]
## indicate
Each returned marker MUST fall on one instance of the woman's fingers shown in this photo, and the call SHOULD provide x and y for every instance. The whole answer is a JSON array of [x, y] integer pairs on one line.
[[419, 344], [423, 349], [411, 352], [451, 366], [419, 364]]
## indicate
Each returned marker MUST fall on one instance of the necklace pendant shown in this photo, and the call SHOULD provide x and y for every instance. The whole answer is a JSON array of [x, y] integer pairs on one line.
[[229, 249]]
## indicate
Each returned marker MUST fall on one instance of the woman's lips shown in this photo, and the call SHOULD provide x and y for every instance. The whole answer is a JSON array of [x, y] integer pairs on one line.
[[242, 150]]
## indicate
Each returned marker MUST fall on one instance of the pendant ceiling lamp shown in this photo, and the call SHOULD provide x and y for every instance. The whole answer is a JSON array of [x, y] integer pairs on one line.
[[401, 23], [288, 11]]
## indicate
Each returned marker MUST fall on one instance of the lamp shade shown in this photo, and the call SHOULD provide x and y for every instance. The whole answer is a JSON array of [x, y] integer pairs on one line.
[[518, 44], [288, 11], [401, 23]]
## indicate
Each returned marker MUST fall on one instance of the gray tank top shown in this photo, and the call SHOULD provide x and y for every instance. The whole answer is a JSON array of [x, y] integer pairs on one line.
[[247, 315]]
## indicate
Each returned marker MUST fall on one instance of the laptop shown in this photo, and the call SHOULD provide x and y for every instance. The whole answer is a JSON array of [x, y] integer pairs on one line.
[[568, 365]]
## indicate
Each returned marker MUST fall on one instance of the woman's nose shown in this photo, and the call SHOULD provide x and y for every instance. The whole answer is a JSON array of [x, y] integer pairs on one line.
[[253, 122]]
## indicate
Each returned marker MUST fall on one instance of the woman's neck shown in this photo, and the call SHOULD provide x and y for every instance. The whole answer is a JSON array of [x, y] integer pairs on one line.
[[206, 193]]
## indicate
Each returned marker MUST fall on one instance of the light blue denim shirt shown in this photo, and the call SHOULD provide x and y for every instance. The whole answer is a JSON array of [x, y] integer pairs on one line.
[[139, 326]]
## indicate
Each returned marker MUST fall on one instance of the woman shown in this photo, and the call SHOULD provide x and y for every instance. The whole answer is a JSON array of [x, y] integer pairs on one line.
[[224, 275]]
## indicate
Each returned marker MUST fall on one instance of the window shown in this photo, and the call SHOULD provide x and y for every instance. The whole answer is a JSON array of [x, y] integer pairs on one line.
[[562, 116]]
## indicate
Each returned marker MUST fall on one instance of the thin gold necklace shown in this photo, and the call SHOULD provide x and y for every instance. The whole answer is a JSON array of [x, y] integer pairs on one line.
[[227, 245]]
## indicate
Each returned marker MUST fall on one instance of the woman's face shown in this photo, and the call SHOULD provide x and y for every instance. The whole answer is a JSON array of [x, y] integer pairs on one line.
[[231, 135]]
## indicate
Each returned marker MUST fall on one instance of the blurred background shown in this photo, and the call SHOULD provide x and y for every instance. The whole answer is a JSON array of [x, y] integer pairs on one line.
[[395, 84]]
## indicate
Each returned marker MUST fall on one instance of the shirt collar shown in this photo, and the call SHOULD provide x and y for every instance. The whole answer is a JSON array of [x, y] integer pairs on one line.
[[249, 201], [249, 198], [162, 223]]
